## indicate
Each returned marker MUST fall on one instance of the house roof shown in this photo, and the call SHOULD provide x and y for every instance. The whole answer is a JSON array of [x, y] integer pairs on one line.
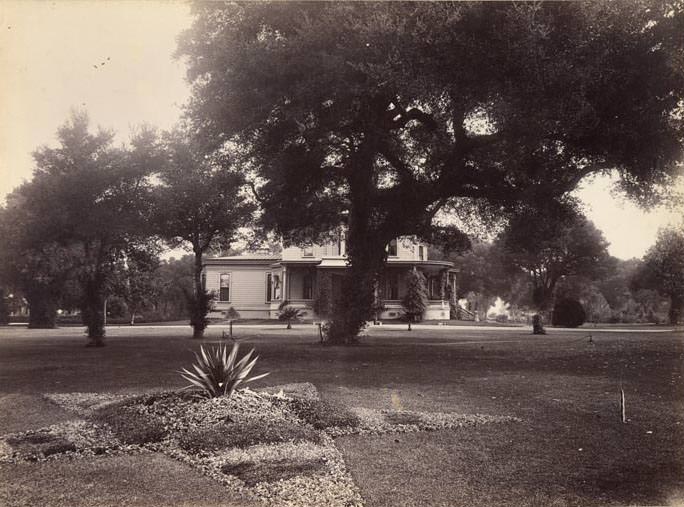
[[252, 258], [326, 262]]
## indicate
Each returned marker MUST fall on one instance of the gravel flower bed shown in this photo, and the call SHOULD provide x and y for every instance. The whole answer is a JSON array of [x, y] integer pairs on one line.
[[376, 422], [70, 438], [275, 444]]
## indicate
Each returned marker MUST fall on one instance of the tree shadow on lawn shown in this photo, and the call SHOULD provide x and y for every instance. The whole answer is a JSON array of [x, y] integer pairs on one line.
[[565, 464]]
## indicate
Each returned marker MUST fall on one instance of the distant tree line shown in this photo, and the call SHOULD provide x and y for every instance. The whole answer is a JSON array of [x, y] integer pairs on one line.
[[574, 264], [89, 227]]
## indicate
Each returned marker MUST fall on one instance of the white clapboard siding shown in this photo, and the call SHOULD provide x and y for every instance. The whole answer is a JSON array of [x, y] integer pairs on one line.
[[247, 284]]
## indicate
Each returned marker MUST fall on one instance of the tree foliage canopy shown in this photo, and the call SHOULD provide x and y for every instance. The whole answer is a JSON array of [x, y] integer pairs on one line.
[[663, 270], [378, 115], [549, 248], [492, 101], [87, 204]]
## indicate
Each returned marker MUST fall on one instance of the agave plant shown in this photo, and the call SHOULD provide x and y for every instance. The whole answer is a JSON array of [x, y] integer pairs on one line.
[[219, 373]]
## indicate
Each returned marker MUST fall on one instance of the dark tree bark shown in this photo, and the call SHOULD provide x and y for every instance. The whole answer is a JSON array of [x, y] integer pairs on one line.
[[92, 308], [366, 257], [199, 301]]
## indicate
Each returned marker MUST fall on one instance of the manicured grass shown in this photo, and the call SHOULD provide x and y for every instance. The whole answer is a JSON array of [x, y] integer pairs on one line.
[[141, 480], [563, 387]]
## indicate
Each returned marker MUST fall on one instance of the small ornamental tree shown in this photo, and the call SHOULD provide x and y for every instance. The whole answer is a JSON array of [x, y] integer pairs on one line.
[[288, 313], [199, 304], [416, 299]]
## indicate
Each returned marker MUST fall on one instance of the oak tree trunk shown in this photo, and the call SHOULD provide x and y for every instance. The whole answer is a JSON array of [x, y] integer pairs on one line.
[[92, 309]]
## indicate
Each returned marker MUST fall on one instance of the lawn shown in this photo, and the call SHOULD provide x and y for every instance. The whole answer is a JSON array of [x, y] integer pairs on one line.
[[570, 447]]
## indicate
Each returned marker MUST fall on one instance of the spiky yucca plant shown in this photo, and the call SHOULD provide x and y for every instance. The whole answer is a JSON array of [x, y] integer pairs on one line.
[[219, 373]]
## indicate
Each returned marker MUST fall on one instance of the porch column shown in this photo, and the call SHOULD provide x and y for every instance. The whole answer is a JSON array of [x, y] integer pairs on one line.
[[285, 286]]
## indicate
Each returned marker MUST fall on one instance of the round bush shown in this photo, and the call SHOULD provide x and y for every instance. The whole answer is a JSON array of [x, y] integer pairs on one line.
[[568, 313]]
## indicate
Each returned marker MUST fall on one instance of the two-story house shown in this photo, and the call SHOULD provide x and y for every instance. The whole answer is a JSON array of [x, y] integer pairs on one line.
[[256, 284]]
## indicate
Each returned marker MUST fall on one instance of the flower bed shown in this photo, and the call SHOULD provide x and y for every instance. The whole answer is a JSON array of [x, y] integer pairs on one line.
[[274, 444]]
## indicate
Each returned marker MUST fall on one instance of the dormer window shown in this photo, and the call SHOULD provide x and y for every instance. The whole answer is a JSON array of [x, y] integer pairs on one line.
[[392, 248], [308, 251]]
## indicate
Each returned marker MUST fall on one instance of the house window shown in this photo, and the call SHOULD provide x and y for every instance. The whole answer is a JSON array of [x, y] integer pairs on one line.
[[392, 286], [421, 253], [340, 250], [308, 251], [204, 281], [392, 248], [307, 286], [276, 287], [269, 282], [224, 287]]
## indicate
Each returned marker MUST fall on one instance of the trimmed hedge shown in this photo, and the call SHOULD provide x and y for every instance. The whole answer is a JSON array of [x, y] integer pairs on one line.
[[568, 313]]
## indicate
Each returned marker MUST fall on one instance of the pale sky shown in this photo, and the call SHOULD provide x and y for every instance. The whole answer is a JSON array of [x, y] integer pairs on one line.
[[113, 58]]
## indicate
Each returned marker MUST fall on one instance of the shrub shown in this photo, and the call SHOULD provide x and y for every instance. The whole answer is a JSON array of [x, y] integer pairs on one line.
[[128, 425], [415, 301], [288, 314], [199, 306], [218, 373], [245, 435], [232, 314], [323, 414], [568, 313]]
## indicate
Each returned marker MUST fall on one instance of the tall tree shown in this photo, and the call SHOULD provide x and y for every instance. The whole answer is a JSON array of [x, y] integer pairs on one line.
[[378, 115], [33, 263], [89, 201], [663, 270], [549, 248], [200, 206]]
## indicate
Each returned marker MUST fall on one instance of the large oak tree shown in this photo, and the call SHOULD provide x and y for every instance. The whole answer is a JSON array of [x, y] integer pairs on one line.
[[378, 115], [87, 204]]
